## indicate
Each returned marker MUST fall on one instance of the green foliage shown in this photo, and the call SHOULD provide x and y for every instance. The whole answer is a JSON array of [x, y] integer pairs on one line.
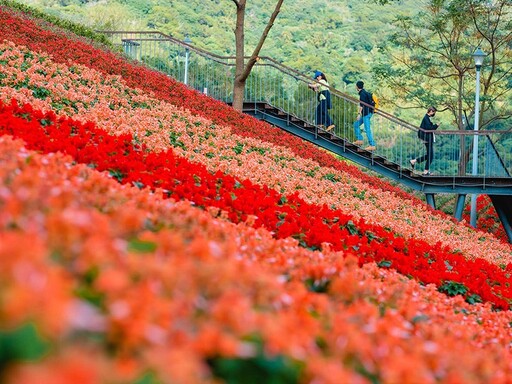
[[331, 176], [21, 344], [116, 174], [351, 227], [413, 55], [147, 378], [352, 68], [318, 286], [40, 93], [141, 246], [452, 288], [473, 299], [336, 33], [86, 290], [255, 370], [175, 141], [428, 60], [385, 263], [239, 148], [420, 319]]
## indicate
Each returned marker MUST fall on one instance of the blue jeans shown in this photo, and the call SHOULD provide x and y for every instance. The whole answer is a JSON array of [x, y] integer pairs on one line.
[[367, 128]]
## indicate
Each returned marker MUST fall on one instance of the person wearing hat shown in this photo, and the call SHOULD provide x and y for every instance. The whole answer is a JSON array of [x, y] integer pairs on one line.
[[321, 86]]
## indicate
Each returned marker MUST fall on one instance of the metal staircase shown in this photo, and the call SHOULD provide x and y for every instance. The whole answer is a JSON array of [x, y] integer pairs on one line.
[[280, 95]]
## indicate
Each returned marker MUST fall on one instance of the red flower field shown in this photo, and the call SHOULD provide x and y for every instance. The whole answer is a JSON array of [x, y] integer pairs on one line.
[[151, 234]]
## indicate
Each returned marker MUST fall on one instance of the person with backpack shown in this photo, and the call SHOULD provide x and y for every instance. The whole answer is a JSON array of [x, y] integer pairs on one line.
[[366, 109], [426, 134], [322, 117]]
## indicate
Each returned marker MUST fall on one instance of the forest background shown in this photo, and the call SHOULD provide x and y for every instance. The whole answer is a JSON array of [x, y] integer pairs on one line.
[[349, 40]]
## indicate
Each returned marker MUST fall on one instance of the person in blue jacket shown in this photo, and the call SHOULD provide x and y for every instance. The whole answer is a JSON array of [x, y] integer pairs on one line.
[[426, 134], [322, 117]]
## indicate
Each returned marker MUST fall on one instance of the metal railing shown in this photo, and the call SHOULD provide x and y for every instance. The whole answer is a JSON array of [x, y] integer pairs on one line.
[[287, 89]]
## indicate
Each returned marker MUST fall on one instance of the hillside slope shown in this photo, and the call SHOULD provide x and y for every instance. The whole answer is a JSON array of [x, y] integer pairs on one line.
[[175, 240], [307, 34]]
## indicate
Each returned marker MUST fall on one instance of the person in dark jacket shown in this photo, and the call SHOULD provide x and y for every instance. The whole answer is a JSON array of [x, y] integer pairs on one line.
[[364, 116], [426, 134], [323, 119]]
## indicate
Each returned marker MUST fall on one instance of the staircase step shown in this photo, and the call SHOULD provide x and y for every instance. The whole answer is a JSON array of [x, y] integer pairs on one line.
[[362, 150], [325, 135]]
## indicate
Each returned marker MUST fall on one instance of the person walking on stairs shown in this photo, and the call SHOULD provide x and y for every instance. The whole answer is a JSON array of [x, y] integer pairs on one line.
[[426, 134], [364, 117], [324, 101]]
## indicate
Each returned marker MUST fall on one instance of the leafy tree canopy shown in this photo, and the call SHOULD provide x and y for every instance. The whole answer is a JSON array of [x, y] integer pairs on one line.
[[371, 40]]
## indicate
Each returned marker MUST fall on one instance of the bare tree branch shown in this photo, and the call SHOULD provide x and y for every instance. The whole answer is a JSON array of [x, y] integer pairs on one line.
[[252, 60], [242, 69]]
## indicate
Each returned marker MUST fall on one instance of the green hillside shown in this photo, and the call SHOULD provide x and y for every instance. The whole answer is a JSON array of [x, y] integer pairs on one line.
[[348, 40], [340, 37]]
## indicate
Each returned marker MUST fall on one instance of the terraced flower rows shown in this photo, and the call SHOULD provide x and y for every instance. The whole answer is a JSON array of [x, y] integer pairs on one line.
[[143, 288], [286, 215], [88, 95], [64, 47], [192, 246]]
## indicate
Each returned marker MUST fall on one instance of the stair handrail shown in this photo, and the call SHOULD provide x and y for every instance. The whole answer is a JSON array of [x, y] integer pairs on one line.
[[268, 61], [297, 75]]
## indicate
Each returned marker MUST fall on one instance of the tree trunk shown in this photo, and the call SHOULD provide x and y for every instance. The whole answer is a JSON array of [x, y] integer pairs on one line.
[[238, 94], [239, 83], [242, 70]]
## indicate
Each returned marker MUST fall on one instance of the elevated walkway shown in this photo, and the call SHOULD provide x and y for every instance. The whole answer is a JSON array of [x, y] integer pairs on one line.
[[280, 95], [435, 183], [499, 188]]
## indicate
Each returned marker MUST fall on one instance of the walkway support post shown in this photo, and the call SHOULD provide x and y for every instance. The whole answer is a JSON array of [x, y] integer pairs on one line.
[[430, 200], [459, 206], [479, 56]]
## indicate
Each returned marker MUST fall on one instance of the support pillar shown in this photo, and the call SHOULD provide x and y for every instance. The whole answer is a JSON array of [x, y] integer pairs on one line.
[[503, 206], [459, 206], [430, 200]]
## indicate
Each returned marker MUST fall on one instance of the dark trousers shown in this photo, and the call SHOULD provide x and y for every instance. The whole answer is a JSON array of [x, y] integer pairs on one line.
[[428, 156], [322, 114]]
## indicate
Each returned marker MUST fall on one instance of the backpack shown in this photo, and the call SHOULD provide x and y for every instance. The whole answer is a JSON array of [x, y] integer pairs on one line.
[[375, 101], [327, 95]]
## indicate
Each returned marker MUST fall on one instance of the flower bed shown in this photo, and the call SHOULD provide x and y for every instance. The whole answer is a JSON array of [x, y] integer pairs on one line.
[[87, 95], [64, 48], [286, 216], [487, 218], [120, 285]]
